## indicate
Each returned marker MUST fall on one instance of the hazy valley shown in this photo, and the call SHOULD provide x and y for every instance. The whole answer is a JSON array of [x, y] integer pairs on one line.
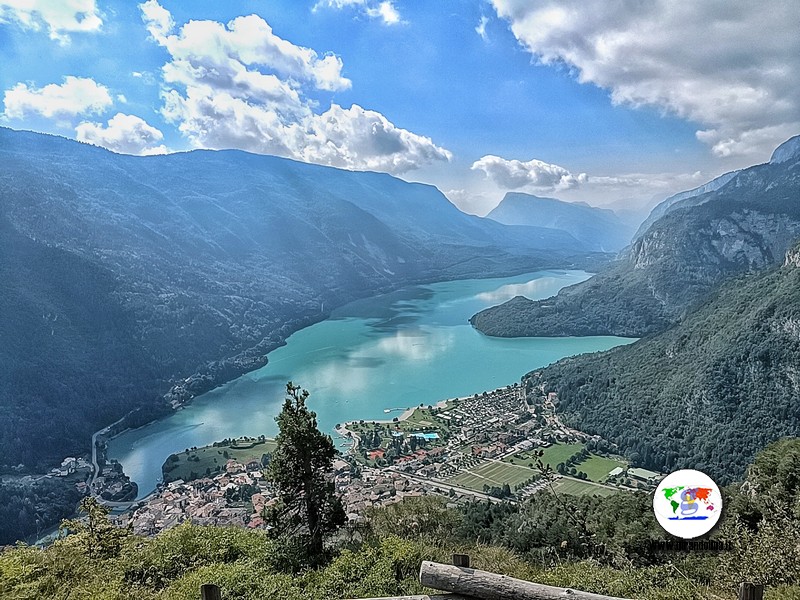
[[311, 299]]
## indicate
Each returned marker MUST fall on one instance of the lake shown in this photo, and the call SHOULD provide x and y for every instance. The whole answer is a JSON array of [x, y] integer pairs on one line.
[[414, 346]]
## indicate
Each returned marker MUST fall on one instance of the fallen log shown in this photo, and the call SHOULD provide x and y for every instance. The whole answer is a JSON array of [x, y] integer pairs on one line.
[[423, 597], [490, 586]]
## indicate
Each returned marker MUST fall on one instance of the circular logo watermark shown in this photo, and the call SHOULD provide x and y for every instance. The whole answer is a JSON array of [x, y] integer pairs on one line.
[[687, 503]]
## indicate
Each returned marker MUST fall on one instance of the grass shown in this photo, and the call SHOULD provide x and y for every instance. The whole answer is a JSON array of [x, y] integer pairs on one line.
[[598, 467], [574, 487], [595, 467], [493, 474], [557, 453], [193, 464]]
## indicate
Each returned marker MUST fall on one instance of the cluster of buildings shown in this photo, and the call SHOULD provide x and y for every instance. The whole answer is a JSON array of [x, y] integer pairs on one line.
[[240, 495], [237, 496], [375, 488], [477, 416], [475, 429]]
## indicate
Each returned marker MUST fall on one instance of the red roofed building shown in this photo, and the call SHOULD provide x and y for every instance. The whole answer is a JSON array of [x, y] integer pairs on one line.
[[376, 454]]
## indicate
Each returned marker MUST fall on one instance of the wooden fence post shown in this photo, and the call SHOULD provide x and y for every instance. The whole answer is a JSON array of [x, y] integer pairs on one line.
[[209, 591], [751, 591], [461, 560]]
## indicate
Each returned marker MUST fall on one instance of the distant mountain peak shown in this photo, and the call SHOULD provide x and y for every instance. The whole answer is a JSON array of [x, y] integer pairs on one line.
[[599, 228], [788, 150]]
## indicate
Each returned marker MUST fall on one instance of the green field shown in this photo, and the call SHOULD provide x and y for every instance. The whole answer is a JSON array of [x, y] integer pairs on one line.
[[197, 463], [595, 467], [557, 453], [598, 467], [574, 487], [493, 474]]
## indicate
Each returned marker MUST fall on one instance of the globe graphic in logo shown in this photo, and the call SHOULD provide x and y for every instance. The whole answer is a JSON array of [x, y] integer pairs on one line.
[[687, 503]]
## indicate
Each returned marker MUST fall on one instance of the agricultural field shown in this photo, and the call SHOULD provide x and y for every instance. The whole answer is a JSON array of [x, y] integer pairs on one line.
[[575, 487], [493, 474], [210, 460], [557, 453], [598, 467]]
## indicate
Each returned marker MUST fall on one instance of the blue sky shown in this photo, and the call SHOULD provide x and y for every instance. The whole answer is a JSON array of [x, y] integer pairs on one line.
[[611, 102]]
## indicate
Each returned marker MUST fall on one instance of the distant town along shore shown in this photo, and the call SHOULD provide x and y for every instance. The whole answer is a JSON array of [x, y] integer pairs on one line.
[[498, 445]]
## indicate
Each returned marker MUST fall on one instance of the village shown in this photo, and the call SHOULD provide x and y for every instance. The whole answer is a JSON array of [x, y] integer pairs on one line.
[[502, 445]]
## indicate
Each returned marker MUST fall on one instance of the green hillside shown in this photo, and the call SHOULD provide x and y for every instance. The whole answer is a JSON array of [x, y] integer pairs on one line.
[[707, 393]]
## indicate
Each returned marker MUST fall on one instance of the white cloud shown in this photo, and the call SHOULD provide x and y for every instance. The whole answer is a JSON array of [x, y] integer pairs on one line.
[[386, 11], [59, 17], [515, 174], [158, 19], [241, 86], [729, 66], [215, 54], [125, 134], [470, 201], [356, 138], [77, 95], [481, 28]]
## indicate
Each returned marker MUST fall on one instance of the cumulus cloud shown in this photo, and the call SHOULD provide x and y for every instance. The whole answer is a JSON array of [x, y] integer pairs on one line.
[[58, 17], [515, 174], [725, 65], [125, 134], [158, 20], [77, 95], [212, 53], [241, 86], [386, 11]]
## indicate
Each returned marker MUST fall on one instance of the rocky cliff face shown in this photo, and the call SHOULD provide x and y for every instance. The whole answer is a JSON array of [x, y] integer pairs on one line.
[[792, 259]]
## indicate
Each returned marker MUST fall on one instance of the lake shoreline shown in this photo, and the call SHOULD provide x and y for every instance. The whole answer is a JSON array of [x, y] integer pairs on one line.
[[396, 334]]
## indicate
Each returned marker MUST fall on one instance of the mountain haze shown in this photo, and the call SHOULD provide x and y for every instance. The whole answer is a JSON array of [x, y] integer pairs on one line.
[[744, 225], [598, 228], [691, 197], [125, 275]]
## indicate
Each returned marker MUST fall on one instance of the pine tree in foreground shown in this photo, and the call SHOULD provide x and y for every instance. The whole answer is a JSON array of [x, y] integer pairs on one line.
[[301, 468]]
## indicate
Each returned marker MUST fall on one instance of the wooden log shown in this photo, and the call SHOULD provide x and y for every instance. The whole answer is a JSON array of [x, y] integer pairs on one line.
[[418, 597], [209, 591], [490, 586], [751, 591], [424, 597]]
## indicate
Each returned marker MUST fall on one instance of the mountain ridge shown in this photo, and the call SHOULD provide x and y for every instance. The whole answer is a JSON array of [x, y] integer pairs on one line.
[[598, 228], [199, 263], [746, 225]]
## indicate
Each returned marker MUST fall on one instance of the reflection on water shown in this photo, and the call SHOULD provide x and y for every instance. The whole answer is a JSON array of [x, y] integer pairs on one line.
[[406, 348], [531, 289]]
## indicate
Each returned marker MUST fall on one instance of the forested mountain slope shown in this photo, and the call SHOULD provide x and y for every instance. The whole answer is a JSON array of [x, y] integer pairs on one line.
[[708, 393], [122, 274], [746, 225]]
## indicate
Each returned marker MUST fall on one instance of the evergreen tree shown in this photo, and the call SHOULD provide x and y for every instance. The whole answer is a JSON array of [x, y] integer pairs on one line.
[[98, 536], [301, 468]]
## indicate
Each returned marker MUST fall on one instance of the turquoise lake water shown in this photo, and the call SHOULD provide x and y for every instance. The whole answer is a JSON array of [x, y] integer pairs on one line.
[[393, 351]]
